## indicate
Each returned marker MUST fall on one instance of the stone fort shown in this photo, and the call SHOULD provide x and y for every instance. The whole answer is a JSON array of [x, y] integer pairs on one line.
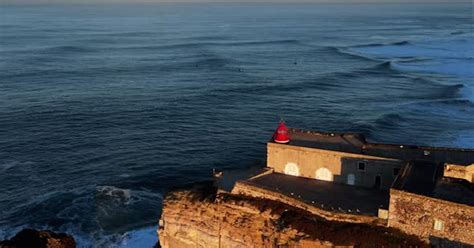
[[424, 191]]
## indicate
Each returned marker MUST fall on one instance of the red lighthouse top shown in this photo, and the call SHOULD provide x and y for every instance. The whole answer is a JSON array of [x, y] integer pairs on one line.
[[281, 134]]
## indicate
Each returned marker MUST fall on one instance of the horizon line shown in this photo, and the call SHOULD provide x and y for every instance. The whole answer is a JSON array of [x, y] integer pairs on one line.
[[126, 2]]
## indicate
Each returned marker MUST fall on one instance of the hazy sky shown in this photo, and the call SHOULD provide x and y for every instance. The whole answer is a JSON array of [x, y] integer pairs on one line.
[[171, 1]]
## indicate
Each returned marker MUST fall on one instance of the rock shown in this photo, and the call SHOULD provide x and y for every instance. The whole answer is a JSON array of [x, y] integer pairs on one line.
[[201, 217], [29, 238]]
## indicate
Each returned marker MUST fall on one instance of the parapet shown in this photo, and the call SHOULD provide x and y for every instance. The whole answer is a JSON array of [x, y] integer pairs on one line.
[[426, 179], [459, 171], [357, 143]]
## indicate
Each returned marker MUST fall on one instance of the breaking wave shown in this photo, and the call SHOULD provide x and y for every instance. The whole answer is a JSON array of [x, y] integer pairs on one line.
[[397, 43], [211, 44]]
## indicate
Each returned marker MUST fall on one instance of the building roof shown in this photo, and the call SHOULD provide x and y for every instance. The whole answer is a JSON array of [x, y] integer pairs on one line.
[[425, 178], [418, 177], [454, 190], [356, 143]]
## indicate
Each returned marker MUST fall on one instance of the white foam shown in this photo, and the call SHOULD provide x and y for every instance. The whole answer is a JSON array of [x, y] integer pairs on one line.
[[145, 237], [115, 192], [139, 238]]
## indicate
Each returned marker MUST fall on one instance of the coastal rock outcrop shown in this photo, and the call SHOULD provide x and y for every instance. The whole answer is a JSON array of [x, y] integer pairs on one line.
[[203, 217], [29, 238]]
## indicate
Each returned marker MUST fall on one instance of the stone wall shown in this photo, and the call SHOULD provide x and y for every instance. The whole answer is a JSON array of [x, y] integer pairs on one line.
[[332, 165], [200, 218], [459, 171], [246, 188], [416, 214]]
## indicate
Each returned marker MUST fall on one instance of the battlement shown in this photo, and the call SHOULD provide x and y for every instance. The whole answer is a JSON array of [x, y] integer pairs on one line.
[[424, 191], [357, 143], [430, 188]]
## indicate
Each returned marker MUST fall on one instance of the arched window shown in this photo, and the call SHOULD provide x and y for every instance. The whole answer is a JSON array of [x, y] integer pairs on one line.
[[324, 174], [292, 169], [351, 179]]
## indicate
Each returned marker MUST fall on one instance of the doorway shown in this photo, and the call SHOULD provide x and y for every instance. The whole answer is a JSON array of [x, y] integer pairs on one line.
[[324, 174], [351, 179], [292, 169], [378, 182]]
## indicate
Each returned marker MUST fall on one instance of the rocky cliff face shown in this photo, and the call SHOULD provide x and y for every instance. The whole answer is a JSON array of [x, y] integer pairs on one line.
[[199, 217], [29, 238]]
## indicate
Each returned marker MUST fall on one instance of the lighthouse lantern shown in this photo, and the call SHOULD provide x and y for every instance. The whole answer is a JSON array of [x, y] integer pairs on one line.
[[281, 134]]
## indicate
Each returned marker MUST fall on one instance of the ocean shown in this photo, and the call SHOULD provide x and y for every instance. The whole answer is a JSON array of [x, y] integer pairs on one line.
[[103, 108]]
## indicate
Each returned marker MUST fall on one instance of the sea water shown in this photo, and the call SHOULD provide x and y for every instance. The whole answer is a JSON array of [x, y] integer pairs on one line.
[[103, 108]]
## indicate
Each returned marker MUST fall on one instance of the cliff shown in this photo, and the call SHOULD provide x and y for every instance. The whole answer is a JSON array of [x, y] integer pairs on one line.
[[29, 238], [201, 217]]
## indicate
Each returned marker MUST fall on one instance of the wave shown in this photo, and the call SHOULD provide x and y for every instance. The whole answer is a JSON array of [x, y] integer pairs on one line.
[[7, 165], [65, 49], [213, 62], [383, 66], [447, 92], [457, 33], [14, 168], [390, 120], [458, 102], [411, 59], [60, 209], [452, 102], [53, 50], [188, 64], [208, 44], [114, 192], [134, 238], [125, 34], [400, 43], [397, 43], [346, 51], [206, 37], [124, 195], [144, 237]]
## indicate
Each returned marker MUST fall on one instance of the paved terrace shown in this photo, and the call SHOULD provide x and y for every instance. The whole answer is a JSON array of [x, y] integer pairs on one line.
[[228, 178], [329, 196]]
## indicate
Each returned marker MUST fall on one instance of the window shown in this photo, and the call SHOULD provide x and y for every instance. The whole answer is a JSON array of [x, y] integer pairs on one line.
[[438, 225], [361, 166], [395, 171]]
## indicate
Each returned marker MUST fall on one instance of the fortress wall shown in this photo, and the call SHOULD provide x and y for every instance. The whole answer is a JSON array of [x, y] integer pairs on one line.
[[197, 218], [308, 161], [247, 189], [416, 214], [459, 171]]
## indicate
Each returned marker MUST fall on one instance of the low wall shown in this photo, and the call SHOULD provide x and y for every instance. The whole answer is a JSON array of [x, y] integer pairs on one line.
[[416, 214], [459, 171], [197, 218], [248, 189]]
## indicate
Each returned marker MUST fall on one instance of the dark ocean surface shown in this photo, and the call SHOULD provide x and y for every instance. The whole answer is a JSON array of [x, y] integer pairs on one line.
[[103, 108]]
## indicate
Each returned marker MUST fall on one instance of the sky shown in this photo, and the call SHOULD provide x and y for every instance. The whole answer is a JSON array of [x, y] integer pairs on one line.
[[223, 1]]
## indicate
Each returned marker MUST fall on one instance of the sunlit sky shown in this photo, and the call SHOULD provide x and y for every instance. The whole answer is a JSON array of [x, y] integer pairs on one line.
[[224, 1]]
